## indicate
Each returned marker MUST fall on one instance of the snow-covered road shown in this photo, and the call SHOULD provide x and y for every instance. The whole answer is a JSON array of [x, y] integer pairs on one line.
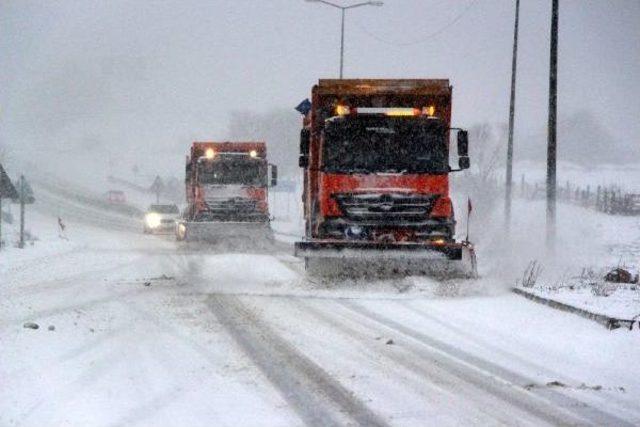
[[150, 333]]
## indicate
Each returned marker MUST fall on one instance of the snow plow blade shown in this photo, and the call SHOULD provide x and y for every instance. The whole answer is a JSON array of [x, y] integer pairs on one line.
[[352, 258], [351, 249], [223, 231]]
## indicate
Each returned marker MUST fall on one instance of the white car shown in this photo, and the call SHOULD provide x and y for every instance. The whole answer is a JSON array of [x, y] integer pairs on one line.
[[160, 219]]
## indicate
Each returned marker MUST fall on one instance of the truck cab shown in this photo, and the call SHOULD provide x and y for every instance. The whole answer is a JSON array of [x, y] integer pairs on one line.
[[375, 157], [227, 189]]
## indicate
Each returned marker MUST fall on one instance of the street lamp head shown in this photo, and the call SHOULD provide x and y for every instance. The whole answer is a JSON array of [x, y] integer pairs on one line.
[[331, 3], [343, 9]]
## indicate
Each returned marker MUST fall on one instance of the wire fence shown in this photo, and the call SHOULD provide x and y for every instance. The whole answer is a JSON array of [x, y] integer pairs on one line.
[[609, 199]]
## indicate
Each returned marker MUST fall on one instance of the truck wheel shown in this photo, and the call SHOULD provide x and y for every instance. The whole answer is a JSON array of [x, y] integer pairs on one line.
[[181, 232]]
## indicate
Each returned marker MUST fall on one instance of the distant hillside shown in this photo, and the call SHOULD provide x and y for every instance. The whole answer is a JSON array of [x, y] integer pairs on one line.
[[582, 140], [280, 128]]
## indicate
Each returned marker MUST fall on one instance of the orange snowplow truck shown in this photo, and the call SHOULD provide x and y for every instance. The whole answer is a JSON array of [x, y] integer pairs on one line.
[[375, 155], [226, 186]]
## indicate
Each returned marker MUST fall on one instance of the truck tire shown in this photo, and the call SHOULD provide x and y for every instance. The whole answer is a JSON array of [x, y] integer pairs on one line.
[[181, 232]]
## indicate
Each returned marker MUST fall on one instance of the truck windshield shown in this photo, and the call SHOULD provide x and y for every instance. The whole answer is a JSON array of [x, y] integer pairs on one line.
[[251, 172], [370, 144]]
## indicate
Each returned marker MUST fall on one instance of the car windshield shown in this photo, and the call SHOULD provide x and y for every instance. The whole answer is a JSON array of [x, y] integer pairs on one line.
[[164, 209], [371, 144], [244, 171]]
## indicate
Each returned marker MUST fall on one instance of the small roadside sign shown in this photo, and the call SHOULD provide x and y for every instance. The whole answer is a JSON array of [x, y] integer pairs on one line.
[[7, 189], [157, 187], [28, 196]]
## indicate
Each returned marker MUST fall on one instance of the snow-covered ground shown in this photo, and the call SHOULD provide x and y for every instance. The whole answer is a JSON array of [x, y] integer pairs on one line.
[[625, 176], [147, 332], [619, 301], [589, 245]]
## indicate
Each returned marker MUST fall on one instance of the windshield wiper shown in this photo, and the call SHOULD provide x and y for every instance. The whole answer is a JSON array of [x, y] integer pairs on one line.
[[358, 170], [349, 171], [394, 170]]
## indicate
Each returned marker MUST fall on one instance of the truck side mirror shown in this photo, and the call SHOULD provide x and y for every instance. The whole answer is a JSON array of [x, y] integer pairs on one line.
[[463, 143], [274, 175], [463, 150], [305, 139], [463, 162], [187, 171]]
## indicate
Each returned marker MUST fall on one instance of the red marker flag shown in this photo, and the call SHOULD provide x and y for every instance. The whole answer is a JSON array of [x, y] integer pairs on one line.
[[469, 209]]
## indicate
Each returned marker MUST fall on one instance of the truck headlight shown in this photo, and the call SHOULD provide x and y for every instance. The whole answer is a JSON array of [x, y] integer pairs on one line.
[[354, 232], [152, 219]]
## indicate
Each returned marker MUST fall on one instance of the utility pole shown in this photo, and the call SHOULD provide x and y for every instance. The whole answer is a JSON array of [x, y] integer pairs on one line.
[[551, 132], [21, 244], [342, 44], [512, 111], [0, 219], [343, 9]]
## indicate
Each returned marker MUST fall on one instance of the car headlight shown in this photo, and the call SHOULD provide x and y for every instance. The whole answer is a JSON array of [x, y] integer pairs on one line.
[[152, 219]]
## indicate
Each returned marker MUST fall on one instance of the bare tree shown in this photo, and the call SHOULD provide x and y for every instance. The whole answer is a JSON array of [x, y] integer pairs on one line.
[[280, 128], [487, 143]]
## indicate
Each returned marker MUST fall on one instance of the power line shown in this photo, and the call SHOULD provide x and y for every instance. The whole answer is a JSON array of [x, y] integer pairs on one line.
[[424, 39]]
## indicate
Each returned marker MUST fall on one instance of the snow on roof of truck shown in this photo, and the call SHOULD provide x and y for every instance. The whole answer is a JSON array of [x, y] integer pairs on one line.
[[232, 146], [165, 209], [199, 148]]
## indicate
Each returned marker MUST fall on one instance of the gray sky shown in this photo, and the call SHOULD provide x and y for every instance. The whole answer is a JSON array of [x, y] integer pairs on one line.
[[134, 75]]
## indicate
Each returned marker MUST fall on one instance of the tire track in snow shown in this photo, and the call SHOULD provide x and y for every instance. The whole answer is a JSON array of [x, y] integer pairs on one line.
[[63, 283], [606, 397], [316, 397], [410, 306], [154, 399], [96, 370], [438, 386], [7, 322], [99, 368], [551, 405]]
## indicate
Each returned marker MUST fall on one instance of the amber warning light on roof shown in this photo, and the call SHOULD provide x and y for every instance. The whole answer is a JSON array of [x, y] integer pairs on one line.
[[345, 110]]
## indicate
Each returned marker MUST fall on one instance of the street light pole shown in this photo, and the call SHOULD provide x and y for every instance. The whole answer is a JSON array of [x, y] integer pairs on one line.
[[342, 44], [343, 10]]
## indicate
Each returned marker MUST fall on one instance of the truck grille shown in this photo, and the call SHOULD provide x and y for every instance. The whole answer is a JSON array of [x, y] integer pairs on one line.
[[232, 209], [386, 209], [236, 204]]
